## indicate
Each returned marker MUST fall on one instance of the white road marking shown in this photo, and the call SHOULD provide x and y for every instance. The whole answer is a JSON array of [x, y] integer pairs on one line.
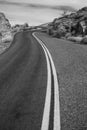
[[56, 92], [56, 96], [46, 114]]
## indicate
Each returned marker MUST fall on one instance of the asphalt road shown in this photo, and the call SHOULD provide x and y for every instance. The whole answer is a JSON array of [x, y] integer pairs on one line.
[[23, 81], [71, 64], [23, 84], [51, 116]]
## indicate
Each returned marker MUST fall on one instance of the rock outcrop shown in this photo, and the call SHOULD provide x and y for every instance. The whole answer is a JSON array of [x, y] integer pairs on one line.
[[74, 24], [5, 33], [5, 28], [4, 24]]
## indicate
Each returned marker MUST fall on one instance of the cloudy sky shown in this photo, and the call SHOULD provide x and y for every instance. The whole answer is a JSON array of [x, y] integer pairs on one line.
[[36, 11], [76, 3]]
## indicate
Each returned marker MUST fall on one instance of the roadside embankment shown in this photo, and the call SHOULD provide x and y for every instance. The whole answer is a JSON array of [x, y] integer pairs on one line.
[[72, 27]]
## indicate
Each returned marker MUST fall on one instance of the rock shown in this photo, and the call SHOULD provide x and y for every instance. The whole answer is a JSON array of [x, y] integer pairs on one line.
[[61, 31], [76, 29], [4, 24], [56, 34], [74, 24], [84, 40], [7, 37], [75, 39], [5, 29], [5, 33], [83, 9], [68, 35]]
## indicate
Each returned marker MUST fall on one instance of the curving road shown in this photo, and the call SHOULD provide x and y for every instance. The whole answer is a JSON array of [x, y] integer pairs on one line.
[[29, 98], [30, 89]]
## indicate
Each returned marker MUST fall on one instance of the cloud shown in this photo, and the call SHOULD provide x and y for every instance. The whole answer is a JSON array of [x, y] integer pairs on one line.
[[40, 5], [74, 3], [20, 11]]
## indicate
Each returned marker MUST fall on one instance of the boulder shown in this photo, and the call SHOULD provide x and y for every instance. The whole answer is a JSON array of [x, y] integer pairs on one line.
[[68, 35], [76, 29]]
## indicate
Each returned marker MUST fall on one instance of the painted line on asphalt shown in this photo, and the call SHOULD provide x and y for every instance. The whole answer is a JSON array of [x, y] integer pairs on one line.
[[46, 113], [56, 87], [56, 95]]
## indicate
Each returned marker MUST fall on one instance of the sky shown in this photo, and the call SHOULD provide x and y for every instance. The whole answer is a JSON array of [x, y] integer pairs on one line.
[[36, 12], [74, 3]]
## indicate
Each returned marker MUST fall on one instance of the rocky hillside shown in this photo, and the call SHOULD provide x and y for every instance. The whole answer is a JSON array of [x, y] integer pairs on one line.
[[72, 27], [5, 33], [5, 26], [4, 23]]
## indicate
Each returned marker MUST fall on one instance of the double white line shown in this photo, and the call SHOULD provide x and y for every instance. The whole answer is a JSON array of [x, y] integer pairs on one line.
[[47, 106]]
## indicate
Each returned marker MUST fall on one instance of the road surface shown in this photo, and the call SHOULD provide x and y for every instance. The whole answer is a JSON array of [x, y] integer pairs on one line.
[[32, 96], [29, 98], [71, 65]]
